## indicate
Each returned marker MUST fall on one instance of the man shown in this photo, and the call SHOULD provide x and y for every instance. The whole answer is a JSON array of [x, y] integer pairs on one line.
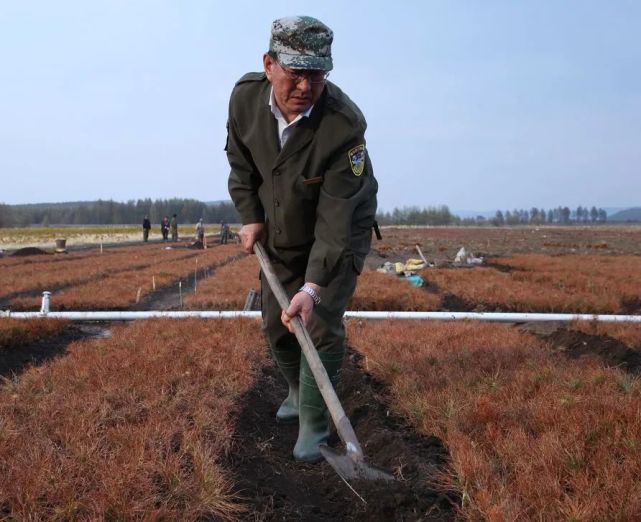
[[173, 226], [200, 231], [224, 232], [146, 227], [302, 182], [164, 228]]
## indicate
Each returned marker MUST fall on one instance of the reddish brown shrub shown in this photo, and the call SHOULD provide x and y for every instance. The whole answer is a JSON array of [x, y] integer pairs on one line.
[[47, 272], [120, 289], [531, 435], [18, 332], [128, 427], [582, 284], [495, 289], [598, 283], [227, 288]]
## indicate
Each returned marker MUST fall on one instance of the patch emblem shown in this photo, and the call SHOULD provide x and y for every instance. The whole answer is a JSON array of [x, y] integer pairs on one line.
[[357, 159]]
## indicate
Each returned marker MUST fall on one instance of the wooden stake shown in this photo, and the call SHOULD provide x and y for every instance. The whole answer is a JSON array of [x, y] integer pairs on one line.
[[101, 247], [138, 294], [196, 277], [420, 253], [153, 282], [180, 293]]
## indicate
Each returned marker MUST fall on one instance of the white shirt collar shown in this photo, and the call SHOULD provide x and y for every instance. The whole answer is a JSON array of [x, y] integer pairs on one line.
[[284, 128]]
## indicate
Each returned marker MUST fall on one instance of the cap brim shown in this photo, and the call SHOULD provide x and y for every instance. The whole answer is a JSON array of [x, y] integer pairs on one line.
[[302, 61]]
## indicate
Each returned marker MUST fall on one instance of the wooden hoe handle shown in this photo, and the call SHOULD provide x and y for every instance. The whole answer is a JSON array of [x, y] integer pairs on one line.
[[343, 426]]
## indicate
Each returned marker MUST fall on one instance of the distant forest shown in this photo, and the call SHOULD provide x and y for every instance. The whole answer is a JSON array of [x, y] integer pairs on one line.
[[190, 211], [113, 213], [535, 216]]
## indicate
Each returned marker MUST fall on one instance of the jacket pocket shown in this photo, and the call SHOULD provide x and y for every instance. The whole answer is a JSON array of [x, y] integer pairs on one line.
[[309, 188]]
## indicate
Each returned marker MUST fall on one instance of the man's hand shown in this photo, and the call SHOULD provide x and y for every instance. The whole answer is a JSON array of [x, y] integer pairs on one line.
[[249, 234], [301, 304]]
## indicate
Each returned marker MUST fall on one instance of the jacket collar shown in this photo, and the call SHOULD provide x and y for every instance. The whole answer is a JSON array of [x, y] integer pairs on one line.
[[303, 133]]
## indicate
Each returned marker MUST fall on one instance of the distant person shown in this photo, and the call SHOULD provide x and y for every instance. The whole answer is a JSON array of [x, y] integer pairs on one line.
[[224, 233], [164, 228], [173, 225], [200, 231], [146, 227]]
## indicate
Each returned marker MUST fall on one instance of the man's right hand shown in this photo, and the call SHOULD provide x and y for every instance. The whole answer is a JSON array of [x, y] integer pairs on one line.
[[249, 234]]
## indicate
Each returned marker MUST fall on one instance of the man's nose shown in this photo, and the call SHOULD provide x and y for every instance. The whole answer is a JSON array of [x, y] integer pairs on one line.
[[304, 84]]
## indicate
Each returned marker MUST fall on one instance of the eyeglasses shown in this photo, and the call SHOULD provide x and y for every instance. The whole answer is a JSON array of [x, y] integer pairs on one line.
[[315, 77]]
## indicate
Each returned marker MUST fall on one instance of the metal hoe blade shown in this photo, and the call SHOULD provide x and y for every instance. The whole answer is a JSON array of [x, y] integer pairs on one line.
[[352, 467]]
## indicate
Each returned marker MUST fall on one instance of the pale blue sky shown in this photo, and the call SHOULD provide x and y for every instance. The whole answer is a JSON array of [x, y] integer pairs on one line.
[[473, 104]]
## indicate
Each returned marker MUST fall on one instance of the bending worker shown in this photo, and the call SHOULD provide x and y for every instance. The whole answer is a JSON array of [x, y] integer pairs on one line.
[[302, 182]]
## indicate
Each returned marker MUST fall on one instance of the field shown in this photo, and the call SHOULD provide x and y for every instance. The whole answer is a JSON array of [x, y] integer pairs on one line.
[[169, 419], [79, 236]]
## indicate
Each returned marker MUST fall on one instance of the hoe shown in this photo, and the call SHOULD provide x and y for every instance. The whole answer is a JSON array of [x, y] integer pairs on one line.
[[350, 465]]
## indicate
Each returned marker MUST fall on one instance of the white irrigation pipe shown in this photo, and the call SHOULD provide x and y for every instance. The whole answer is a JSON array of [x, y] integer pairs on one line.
[[128, 316], [210, 314], [430, 316]]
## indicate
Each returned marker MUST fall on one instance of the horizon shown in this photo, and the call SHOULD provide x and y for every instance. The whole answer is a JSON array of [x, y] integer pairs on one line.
[[461, 213]]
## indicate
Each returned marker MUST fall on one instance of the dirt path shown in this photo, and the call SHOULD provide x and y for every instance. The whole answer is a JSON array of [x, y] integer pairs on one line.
[[278, 488]]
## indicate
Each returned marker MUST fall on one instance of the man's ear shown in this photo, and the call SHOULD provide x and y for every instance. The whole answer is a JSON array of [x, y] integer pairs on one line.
[[268, 65]]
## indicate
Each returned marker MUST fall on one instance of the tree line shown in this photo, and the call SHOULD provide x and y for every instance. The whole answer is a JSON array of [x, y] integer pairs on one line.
[[109, 212], [552, 216], [442, 215]]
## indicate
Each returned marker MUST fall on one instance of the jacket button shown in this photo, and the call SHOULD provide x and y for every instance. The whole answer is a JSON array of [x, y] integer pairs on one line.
[[277, 173], [277, 230], [276, 203]]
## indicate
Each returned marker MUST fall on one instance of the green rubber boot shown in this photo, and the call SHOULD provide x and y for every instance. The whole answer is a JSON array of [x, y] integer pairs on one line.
[[313, 422], [289, 364]]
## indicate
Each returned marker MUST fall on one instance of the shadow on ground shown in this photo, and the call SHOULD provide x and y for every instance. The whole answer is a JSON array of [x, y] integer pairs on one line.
[[277, 488]]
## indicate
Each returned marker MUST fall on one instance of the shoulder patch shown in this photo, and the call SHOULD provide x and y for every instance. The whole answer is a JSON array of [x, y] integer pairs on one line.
[[357, 159]]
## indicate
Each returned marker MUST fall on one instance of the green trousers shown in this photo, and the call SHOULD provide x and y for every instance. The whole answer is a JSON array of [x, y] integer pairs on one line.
[[327, 331]]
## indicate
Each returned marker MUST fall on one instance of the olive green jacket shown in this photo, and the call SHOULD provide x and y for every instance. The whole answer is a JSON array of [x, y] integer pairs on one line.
[[312, 195]]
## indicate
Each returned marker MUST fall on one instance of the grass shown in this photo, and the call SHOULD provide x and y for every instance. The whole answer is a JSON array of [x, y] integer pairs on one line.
[[531, 435], [582, 284], [128, 427], [11, 233], [227, 288], [18, 332]]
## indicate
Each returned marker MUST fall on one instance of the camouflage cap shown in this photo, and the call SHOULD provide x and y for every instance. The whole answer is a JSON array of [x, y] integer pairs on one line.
[[302, 42]]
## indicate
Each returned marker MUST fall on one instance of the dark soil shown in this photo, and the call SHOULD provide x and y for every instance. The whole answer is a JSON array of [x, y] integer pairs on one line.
[[454, 303], [30, 251], [631, 306], [278, 488], [501, 267], [440, 244]]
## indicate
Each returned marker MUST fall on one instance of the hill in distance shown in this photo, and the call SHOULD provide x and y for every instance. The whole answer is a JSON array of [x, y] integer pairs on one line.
[[630, 214]]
